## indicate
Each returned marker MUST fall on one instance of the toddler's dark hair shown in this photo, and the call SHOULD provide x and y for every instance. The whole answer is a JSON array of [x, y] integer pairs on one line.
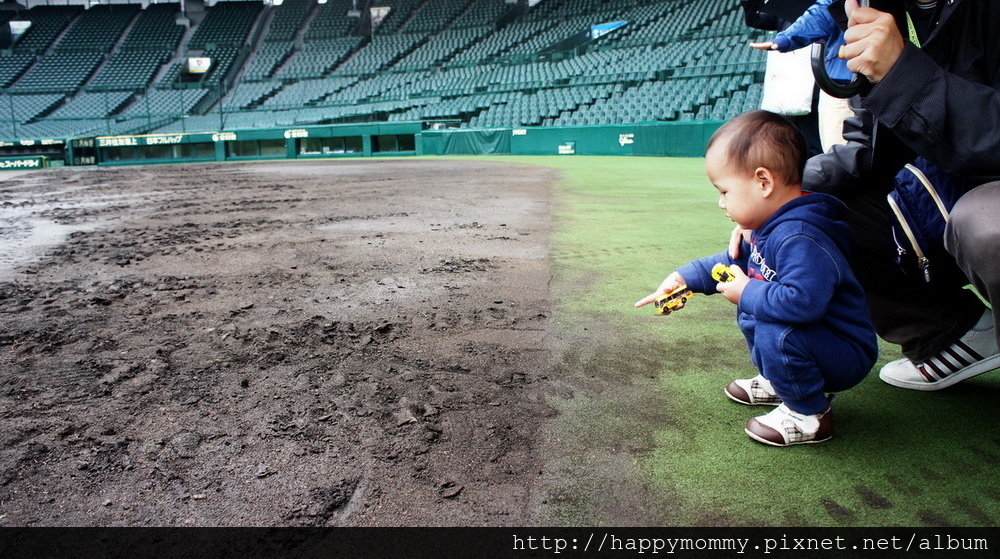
[[764, 139]]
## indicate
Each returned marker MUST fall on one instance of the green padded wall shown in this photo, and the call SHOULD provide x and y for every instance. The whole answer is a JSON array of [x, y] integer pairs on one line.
[[672, 139], [476, 142]]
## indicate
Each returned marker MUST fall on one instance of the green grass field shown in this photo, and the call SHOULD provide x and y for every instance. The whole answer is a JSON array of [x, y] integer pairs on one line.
[[646, 412]]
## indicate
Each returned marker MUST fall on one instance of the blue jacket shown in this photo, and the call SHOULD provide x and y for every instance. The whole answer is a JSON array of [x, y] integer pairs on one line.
[[817, 25], [800, 272]]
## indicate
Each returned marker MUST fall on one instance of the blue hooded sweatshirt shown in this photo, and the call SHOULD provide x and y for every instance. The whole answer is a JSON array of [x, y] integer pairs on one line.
[[817, 25], [799, 271]]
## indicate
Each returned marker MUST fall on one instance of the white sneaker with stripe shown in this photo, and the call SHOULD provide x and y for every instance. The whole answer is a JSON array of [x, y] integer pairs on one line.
[[974, 354]]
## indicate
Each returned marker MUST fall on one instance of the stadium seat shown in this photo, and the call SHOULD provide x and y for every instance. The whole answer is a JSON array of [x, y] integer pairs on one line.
[[475, 61]]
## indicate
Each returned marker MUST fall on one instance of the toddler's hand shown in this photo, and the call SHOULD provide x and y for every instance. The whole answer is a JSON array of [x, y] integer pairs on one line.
[[672, 282], [732, 290]]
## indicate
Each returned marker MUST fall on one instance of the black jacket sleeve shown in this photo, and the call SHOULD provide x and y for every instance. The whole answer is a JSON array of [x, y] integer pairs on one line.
[[845, 169], [757, 19], [943, 106], [949, 120]]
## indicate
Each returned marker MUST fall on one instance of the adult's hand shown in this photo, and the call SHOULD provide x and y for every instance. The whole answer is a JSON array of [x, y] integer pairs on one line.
[[736, 238], [874, 43]]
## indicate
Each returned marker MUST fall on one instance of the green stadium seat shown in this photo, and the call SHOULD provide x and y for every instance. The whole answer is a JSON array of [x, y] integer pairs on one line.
[[429, 59]]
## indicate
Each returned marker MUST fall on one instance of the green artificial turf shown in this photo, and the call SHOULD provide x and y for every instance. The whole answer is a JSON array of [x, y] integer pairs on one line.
[[898, 457]]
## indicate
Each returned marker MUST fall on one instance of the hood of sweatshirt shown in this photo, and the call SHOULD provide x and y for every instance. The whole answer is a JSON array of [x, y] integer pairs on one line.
[[814, 209]]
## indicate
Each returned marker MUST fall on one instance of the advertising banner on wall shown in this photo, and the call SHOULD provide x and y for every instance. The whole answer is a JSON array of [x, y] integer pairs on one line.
[[199, 64], [379, 13], [602, 29]]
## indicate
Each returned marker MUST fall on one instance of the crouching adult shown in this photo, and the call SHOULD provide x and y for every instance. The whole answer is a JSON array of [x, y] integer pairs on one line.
[[935, 70]]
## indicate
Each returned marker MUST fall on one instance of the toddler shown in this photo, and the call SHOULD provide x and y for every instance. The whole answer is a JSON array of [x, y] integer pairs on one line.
[[799, 305]]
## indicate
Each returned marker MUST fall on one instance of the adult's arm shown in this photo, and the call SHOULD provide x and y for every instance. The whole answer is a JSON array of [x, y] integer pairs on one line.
[[953, 122], [845, 169]]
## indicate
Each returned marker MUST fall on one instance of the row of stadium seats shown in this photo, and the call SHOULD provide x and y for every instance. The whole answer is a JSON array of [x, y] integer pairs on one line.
[[429, 59], [130, 70], [155, 29], [92, 105], [226, 24], [98, 29], [287, 21], [47, 22], [12, 66], [268, 58], [674, 100], [441, 47], [678, 20], [247, 94], [399, 12], [500, 41], [23, 108], [59, 72], [435, 15], [380, 53], [317, 58], [164, 103], [482, 13], [331, 21], [553, 10], [305, 92], [530, 109], [79, 128], [223, 59]]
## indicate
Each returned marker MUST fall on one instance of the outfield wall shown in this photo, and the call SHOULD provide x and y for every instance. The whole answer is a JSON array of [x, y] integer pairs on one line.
[[267, 143], [668, 139]]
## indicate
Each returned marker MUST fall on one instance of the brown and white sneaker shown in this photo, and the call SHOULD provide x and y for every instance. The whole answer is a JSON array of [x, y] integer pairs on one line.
[[784, 427], [756, 391]]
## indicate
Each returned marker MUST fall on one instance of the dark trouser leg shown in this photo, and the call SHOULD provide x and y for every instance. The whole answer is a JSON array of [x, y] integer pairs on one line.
[[923, 318], [973, 237]]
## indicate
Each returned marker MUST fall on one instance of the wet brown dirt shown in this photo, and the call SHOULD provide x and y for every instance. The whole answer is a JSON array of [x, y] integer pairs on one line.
[[275, 344]]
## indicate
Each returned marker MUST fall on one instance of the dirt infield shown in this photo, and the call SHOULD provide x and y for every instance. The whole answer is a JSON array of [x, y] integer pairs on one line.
[[320, 343]]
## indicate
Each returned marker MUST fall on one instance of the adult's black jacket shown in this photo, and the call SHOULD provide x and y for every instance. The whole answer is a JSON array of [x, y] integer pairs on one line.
[[941, 102], [757, 19]]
